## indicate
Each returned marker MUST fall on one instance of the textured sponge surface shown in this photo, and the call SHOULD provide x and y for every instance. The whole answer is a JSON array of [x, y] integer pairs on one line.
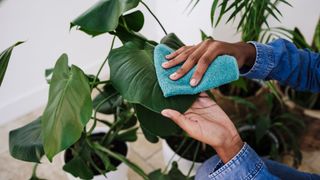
[[222, 70]]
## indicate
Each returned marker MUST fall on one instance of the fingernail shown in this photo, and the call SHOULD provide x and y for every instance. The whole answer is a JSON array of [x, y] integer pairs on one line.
[[193, 82], [166, 113], [165, 64], [168, 56], [173, 76]]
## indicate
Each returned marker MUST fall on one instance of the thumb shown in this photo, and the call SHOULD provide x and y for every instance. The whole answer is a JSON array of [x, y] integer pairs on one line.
[[176, 116]]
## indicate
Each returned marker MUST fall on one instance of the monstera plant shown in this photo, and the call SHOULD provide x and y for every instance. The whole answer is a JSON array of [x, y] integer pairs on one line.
[[131, 94]]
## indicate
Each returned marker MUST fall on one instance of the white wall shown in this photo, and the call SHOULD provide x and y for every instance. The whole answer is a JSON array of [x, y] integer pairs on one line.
[[44, 24]]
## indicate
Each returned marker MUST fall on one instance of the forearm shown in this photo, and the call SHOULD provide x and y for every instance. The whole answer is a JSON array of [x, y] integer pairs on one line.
[[281, 60]]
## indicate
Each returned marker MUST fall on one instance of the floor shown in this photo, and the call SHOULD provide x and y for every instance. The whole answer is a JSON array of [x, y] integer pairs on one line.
[[148, 156]]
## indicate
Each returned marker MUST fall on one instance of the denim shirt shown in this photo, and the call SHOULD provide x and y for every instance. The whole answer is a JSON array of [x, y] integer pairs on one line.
[[282, 61]]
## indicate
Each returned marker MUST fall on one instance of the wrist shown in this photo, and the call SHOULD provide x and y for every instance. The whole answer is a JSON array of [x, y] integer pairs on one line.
[[250, 55], [229, 149]]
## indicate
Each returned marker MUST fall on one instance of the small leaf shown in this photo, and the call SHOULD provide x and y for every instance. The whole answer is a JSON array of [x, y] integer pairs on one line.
[[134, 21], [128, 135], [213, 10], [68, 110], [103, 16], [4, 60], [25, 143], [78, 168], [203, 35], [172, 41]]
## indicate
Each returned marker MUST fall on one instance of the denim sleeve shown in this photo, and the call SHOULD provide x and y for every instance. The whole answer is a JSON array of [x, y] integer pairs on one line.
[[281, 60], [245, 165]]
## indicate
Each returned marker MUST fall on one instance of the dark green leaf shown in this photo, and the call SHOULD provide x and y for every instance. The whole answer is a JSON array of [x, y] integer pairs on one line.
[[243, 101], [134, 21], [130, 123], [172, 41], [148, 135], [106, 161], [109, 99], [213, 10], [103, 16], [316, 38], [155, 123], [78, 168], [4, 60], [128, 135], [25, 143], [133, 75], [262, 127], [68, 110], [203, 35]]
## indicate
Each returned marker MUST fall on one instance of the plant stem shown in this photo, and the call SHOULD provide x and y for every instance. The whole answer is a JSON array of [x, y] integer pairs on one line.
[[178, 150], [155, 17], [123, 159], [95, 112], [194, 158], [104, 62]]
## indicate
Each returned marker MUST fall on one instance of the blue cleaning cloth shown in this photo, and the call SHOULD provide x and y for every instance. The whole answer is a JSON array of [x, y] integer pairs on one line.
[[222, 70]]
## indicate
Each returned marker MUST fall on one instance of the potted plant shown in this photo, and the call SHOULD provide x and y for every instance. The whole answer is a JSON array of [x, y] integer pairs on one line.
[[275, 134], [187, 152], [63, 125]]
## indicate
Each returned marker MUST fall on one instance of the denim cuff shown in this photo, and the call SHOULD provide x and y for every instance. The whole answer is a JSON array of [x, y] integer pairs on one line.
[[247, 159], [264, 62]]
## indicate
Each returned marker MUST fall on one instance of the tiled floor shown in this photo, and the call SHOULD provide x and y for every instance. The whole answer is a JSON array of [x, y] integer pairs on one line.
[[148, 156]]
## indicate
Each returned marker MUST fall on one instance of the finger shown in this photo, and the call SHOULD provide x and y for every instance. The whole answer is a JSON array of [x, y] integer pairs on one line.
[[177, 117], [190, 62], [177, 52], [178, 59], [203, 64]]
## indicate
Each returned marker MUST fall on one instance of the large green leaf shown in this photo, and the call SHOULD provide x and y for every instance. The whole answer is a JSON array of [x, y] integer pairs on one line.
[[68, 110], [103, 16], [4, 60], [107, 100], [25, 143], [132, 73]]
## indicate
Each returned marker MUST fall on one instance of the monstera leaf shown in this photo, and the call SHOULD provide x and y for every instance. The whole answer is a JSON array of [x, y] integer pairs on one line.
[[103, 16], [68, 110], [25, 143], [4, 60], [132, 73]]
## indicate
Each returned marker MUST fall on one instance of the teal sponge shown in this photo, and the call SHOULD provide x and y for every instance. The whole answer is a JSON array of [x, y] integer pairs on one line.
[[222, 70]]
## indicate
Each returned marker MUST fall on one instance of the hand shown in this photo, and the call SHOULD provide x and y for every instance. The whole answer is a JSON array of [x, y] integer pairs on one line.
[[208, 123], [204, 53]]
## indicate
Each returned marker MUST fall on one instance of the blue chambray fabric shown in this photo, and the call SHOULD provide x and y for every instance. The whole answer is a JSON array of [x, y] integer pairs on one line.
[[279, 60], [222, 70]]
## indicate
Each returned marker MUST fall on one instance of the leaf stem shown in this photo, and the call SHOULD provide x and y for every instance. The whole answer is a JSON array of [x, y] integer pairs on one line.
[[104, 62], [95, 112], [155, 17]]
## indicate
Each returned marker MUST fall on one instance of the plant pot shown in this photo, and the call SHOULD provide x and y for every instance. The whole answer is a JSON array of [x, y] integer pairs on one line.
[[235, 110], [260, 151], [295, 106], [183, 164], [119, 174]]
